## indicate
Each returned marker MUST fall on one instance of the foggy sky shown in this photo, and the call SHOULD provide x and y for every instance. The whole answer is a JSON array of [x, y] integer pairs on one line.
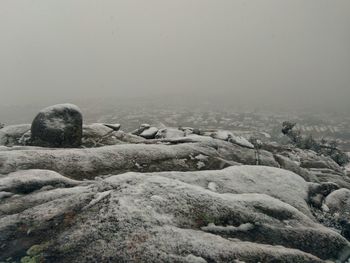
[[245, 51]]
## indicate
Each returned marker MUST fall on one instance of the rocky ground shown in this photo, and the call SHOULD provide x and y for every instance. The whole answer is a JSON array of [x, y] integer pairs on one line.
[[161, 194]]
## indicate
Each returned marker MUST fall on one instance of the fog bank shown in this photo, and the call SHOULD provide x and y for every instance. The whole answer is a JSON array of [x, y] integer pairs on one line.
[[270, 52]]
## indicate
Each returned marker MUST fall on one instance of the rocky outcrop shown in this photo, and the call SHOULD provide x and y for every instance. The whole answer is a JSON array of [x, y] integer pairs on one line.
[[228, 136], [164, 195], [329, 175], [11, 135], [87, 163], [338, 205], [57, 126], [115, 126], [98, 134], [293, 166], [339, 202], [166, 217]]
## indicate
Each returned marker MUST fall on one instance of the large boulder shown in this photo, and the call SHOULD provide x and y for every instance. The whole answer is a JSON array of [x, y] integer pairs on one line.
[[58, 126]]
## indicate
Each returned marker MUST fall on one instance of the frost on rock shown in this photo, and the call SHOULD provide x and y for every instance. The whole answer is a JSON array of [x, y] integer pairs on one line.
[[115, 126], [164, 195], [149, 133], [241, 141], [158, 217], [57, 126], [87, 163], [278, 183], [96, 130], [339, 202], [31, 180], [227, 229], [169, 133], [10, 135], [230, 137], [212, 186], [222, 135], [98, 135]]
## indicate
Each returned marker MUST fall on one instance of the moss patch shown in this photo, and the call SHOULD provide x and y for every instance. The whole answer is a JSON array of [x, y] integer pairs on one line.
[[35, 254]]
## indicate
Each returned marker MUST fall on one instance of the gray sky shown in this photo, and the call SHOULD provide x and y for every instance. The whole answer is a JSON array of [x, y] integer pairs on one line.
[[270, 51]]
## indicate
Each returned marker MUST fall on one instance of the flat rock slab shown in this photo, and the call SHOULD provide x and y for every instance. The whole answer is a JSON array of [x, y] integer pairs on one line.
[[88, 163]]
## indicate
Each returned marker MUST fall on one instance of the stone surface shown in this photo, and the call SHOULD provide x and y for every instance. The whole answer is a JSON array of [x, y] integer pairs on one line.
[[339, 202], [149, 133], [139, 130], [165, 217], [169, 133], [87, 163], [11, 135], [115, 126], [57, 126], [181, 197]]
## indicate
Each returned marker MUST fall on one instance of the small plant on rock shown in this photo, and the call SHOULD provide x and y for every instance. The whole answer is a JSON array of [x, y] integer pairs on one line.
[[309, 143]]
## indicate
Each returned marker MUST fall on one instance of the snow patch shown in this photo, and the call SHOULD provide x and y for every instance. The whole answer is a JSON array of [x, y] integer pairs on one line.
[[212, 186], [241, 228]]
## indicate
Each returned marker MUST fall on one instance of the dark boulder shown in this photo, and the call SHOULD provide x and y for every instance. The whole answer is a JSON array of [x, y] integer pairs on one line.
[[57, 126]]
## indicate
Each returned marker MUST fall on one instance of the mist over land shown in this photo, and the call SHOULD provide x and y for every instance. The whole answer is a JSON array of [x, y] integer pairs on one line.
[[269, 54]]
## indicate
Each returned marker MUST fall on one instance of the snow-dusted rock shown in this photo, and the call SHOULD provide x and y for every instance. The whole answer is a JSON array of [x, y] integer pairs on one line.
[[25, 138], [241, 141], [230, 137], [160, 218], [278, 183], [141, 129], [221, 135], [98, 134], [235, 214], [169, 133], [338, 205], [57, 126], [329, 175], [290, 165], [275, 147], [311, 166], [339, 202], [115, 126], [310, 159], [189, 130], [31, 180], [318, 192], [87, 163], [96, 131], [149, 133], [11, 135]]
